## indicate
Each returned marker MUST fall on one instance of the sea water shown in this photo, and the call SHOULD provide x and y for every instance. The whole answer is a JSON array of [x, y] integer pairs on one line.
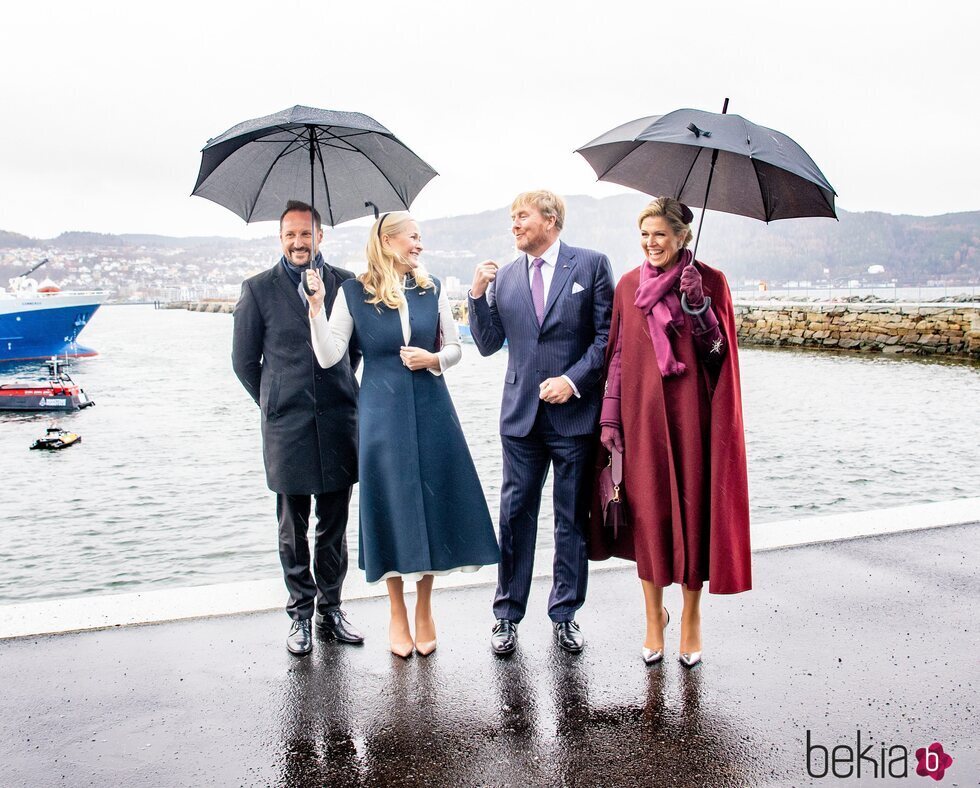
[[167, 486]]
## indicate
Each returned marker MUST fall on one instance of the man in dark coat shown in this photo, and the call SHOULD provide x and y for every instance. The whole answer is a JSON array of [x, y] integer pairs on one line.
[[309, 425], [552, 306]]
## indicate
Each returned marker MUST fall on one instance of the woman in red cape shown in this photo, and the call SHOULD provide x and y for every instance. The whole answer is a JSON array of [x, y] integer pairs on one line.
[[673, 407]]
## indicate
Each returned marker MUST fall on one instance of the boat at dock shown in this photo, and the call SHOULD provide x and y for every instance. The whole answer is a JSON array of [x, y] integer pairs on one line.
[[57, 392], [40, 320]]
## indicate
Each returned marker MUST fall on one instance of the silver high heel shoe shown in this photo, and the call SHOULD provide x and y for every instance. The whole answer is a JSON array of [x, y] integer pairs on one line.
[[651, 657], [690, 660]]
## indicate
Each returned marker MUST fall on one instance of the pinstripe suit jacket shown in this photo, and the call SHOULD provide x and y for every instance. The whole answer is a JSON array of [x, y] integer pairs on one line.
[[571, 341]]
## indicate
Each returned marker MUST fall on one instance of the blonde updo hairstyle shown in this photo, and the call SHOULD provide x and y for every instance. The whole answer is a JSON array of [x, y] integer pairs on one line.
[[382, 282], [678, 216]]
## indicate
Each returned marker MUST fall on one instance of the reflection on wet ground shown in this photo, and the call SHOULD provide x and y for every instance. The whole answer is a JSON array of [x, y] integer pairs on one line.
[[220, 702], [535, 724]]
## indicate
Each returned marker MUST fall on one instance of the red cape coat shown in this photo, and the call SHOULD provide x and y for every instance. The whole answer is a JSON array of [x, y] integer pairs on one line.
[[684, 474]]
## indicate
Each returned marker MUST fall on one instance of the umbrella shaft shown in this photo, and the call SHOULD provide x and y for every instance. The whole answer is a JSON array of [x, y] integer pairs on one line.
[[707, 190], [312, 199]]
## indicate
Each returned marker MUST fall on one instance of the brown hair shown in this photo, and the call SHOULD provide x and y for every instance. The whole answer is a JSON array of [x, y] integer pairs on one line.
[[299, 205]]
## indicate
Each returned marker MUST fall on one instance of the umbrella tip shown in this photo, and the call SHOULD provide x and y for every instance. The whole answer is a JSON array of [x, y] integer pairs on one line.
[[724, 109]]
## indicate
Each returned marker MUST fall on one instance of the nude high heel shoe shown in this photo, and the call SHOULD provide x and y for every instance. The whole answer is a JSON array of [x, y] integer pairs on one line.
[[651, 656], [425, 647], [403, 648]]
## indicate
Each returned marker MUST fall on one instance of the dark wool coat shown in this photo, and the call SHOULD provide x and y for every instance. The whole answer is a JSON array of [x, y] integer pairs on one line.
[[309, 414]]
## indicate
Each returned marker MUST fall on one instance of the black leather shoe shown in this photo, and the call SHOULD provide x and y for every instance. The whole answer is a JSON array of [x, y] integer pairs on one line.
[[335, 626], [300, 639], [569, 636], [504, 638]]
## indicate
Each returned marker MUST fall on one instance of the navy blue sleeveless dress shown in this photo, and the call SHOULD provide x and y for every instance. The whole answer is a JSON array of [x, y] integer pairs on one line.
[[422, 508]]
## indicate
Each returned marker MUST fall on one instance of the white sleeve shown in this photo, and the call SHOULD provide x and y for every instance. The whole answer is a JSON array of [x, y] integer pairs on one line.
[[452, 349], [331, 337]]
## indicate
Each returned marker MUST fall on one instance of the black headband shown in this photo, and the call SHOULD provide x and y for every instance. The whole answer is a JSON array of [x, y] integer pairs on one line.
[[381, 221]]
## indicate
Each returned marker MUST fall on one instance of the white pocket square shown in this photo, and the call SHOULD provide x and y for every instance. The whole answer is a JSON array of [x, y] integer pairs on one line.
[[576, 288]]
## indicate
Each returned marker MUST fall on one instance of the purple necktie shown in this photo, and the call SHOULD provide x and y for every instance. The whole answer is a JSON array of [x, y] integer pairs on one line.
[[537, 289]]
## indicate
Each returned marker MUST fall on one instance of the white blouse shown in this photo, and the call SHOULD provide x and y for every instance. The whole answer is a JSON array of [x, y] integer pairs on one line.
[[331, 337]]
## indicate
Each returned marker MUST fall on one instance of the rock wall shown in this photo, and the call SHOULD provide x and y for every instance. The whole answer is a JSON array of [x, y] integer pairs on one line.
[[201, 306], [950, 329], [919, 329]]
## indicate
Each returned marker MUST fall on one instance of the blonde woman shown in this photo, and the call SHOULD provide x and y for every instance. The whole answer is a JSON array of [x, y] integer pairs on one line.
[[422, 509]]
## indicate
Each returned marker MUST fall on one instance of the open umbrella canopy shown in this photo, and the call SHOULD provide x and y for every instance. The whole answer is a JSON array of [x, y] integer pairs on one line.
[[758, 172], [346, 164]]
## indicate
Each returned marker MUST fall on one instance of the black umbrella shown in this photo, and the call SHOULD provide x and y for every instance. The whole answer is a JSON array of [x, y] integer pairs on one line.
[[348, 163], [718, 161]]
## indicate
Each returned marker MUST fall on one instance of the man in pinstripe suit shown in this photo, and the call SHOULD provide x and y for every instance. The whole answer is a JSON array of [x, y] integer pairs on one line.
[[552, 305]]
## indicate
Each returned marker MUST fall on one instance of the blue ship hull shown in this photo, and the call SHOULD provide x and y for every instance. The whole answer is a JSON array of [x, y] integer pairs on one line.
[[42, 333]]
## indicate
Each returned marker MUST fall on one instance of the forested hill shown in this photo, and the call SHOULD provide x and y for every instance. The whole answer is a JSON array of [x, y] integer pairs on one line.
[[910, 249]]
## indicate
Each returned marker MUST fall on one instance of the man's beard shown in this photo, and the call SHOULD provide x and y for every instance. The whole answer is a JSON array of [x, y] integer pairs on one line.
[[292, 258]]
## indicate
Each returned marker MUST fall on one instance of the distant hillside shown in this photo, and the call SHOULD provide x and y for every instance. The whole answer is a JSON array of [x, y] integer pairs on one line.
[[75, 239], [16, 241], [910, 249]]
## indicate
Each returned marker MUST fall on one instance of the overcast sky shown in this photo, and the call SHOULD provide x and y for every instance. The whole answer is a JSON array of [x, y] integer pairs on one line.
[[107, 105]]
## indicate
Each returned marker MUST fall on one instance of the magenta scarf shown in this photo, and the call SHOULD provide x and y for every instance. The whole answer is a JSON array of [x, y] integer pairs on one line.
[[656, 297]]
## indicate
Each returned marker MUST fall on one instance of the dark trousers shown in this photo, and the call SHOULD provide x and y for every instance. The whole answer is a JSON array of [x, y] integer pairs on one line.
[[526, 463], [321, 588]]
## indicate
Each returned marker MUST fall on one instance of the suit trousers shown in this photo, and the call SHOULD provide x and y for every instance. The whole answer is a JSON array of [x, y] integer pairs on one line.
[[525, 469], [321, 588]]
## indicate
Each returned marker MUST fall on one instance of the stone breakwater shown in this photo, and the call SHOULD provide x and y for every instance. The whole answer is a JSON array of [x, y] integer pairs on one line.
[[912, 329], [226, 307], [951, 329]]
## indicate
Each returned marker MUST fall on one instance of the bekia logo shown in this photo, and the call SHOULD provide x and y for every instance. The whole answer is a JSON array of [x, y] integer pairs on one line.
[[873, 760], [933, 761]]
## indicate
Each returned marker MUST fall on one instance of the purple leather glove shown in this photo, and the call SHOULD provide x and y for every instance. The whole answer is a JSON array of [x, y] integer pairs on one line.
[[612, 438], [691, 287]]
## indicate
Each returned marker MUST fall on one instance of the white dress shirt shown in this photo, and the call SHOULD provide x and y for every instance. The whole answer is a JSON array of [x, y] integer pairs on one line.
[[331, 337], [550, 258]]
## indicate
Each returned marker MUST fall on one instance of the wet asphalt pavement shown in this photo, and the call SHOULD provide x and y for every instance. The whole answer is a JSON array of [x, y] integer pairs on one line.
[[876, 635]]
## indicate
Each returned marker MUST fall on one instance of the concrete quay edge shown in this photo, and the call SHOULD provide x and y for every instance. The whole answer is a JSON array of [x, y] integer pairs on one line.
[[859, 306], [93, 612]]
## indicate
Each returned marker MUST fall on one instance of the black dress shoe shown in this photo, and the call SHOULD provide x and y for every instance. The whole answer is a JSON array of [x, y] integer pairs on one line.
[[569, 636], [334, 626], [504, 638], [300, 639]]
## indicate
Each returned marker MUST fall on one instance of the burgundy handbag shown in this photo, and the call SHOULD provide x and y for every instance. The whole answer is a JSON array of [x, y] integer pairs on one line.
[[611, 494]]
